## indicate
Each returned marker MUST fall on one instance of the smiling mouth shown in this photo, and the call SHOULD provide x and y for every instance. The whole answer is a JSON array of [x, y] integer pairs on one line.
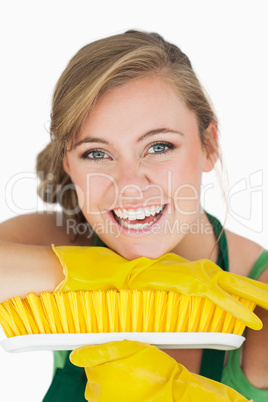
[[140, 220]]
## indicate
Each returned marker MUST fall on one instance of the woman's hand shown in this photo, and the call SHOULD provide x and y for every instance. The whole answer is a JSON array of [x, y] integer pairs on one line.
[[98, 268], [135, 371]]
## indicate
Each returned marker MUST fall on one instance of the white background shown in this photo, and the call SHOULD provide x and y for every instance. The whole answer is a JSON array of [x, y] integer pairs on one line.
[[227, 44]]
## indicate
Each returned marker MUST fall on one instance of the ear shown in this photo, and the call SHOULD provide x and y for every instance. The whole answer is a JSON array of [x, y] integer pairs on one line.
[[211, 147]]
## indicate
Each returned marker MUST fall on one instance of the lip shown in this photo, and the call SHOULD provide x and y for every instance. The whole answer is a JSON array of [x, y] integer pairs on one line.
[[137, 233]]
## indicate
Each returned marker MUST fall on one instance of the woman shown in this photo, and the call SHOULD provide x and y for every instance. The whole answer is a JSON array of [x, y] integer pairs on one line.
[[131, 134]]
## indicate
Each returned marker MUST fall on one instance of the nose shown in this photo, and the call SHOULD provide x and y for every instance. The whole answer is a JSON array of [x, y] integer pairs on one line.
[[132, 179]]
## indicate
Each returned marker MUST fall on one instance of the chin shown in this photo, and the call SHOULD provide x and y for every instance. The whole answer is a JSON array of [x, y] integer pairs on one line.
[[132, 252]]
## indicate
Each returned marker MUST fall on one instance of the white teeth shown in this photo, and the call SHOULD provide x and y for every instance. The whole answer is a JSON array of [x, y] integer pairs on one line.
[[119, 214], [137, 226], [147, 211], [140, 213], [132, 215]]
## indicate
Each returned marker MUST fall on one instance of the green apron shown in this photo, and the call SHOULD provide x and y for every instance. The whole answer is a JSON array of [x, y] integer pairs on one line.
[[69, 382]]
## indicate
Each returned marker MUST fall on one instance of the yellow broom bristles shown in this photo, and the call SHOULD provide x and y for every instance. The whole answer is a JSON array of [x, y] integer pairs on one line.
[[115, 311]]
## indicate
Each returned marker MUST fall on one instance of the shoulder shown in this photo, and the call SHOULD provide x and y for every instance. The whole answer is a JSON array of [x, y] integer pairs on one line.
[[243, 253], [43, 229]]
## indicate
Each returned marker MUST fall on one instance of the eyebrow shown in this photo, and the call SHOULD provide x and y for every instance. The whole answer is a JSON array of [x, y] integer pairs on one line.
[[142, 138]]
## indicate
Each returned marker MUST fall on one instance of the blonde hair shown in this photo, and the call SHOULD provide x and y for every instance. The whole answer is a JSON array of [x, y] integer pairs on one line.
[[95, 69]]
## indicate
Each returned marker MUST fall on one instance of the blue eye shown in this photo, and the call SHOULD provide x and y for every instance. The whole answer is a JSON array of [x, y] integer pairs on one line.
[[160, 148], [95, 155]]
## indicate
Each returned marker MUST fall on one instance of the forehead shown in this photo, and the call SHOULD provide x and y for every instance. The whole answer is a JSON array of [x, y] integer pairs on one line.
[[143, 89], [140, 105]]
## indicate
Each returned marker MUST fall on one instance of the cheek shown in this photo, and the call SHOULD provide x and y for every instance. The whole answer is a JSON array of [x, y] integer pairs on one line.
[[184, 184], [180, 174], [95, 191]]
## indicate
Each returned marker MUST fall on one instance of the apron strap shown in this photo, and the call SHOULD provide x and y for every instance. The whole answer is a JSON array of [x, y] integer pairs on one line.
[[213, 360]]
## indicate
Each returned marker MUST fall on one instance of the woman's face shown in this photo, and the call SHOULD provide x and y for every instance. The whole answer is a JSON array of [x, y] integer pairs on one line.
[[137, 167]]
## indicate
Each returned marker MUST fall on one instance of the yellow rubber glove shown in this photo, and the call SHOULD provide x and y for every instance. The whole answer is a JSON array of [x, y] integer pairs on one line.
[[98, 268], [134, 371]]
